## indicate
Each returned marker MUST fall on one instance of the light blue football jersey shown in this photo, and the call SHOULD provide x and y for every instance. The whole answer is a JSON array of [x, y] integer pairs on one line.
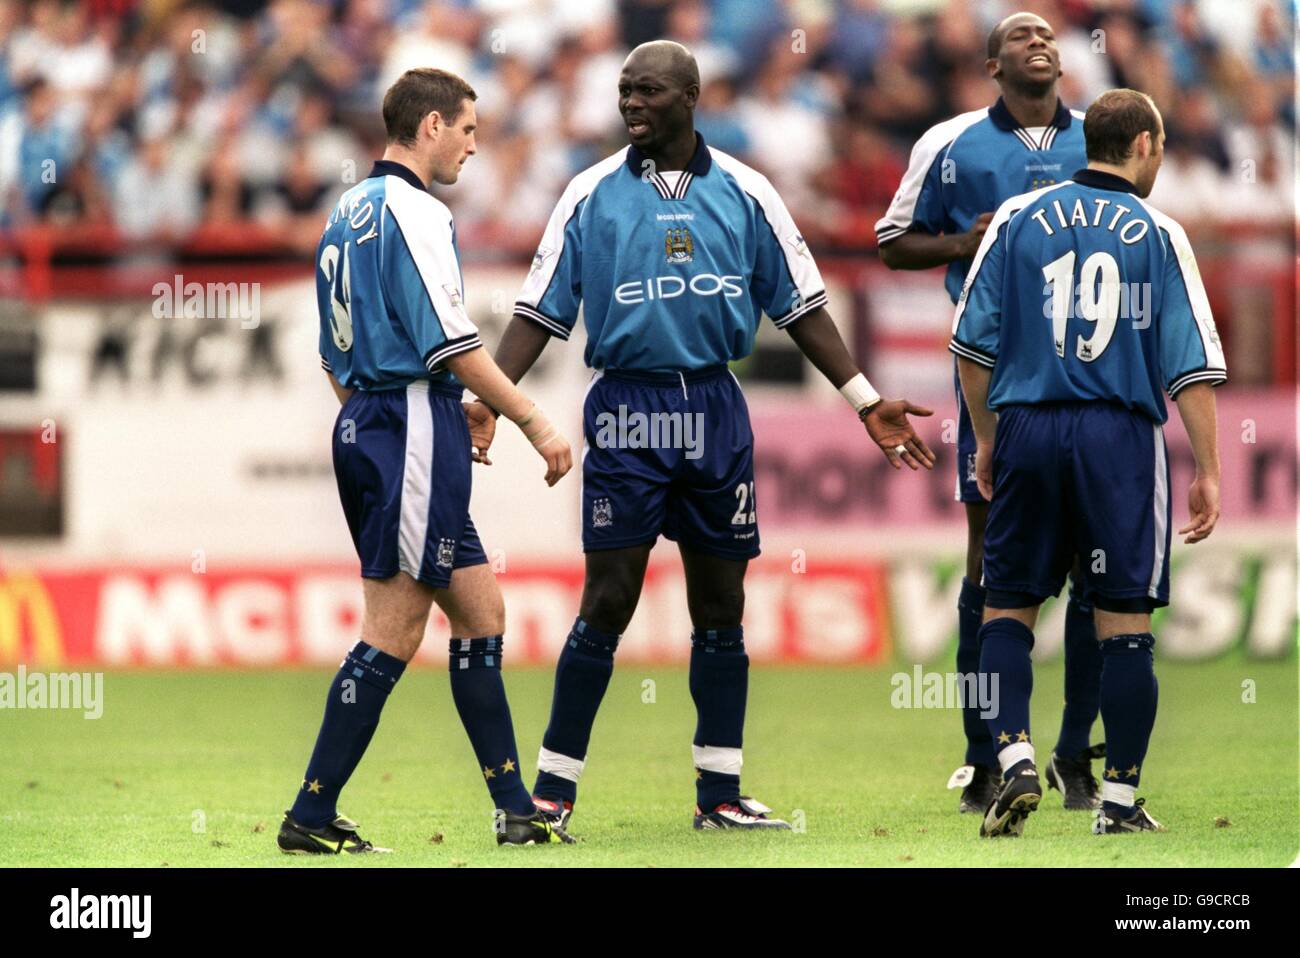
[[970, 165], [1082, 291], [672, 270], [388, 285]]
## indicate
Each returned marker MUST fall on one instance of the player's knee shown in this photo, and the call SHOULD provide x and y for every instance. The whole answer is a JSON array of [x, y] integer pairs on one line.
[[721, 608], [608, 603], [487, 621]]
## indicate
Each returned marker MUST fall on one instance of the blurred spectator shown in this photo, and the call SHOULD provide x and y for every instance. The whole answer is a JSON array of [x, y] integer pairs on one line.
[[39, 148], [860, 182], [715, 117], [154, 196]]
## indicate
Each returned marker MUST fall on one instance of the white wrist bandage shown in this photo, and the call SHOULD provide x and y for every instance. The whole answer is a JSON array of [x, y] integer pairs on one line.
[[536, 428], [859, 393]]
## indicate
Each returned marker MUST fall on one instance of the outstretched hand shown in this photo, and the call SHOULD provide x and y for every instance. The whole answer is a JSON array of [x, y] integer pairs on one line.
[[482, 430], [888, 427]]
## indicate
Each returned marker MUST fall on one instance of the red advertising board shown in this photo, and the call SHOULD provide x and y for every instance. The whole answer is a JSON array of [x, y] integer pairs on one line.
[[310, 615]]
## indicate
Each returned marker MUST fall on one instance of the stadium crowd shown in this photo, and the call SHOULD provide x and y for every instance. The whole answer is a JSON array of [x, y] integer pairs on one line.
[[159, 116]]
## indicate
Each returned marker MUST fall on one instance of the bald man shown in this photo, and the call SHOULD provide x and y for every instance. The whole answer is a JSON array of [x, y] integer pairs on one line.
[[674, 250], [960, 172]]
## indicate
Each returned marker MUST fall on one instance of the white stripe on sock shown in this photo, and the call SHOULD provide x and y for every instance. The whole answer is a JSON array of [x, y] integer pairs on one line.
[[711, 758], [563, 766], [1016, 753], [1124, 795]]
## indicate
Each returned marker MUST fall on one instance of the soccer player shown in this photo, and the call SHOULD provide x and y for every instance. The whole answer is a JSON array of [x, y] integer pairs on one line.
[[960, 172], [673, 250], [1082, 306], [397, 345]]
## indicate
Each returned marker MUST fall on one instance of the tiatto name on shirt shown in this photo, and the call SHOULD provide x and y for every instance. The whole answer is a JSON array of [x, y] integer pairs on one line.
[[674, 216], [1053, 216]]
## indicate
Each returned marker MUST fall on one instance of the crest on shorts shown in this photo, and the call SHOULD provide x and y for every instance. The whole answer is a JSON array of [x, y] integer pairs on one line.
[[602, 514], [446, 552], [970, 468], [678, 245]]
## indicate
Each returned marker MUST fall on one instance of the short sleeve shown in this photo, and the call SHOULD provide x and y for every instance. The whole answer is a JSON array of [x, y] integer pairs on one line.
[[1190, 349], [786, 282], [552, 291], [919, 202], [978, 318], [422, 281]]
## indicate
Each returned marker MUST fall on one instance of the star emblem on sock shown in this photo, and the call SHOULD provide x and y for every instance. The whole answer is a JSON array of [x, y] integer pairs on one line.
[[1132, 772], [1112, 773], [508, 767], [1004, 738], [313, 786], [488, 773], [1022, 736]]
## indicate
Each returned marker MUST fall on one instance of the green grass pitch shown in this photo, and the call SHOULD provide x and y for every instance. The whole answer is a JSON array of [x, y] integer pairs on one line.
[[194, 769]]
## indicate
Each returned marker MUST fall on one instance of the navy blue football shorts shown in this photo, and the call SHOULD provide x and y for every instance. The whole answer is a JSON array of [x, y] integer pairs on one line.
[[402, 461], [669, 453], [1085, 479]]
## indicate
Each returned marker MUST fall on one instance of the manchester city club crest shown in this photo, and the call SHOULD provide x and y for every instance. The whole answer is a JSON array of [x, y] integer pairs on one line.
[[602, 514], [678, 245], [446, 552]]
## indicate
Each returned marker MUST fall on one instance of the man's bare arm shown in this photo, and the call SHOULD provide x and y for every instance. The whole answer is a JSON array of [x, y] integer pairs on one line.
[[984, 421], [975, 381], [1196, 407], [917, 250], [886, 421], [521, 344], [819, 340], [476, 370]]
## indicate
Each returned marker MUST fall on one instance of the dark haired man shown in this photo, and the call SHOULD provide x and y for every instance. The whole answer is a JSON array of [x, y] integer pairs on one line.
[[1064, 383], [398, 347], [961, 170]]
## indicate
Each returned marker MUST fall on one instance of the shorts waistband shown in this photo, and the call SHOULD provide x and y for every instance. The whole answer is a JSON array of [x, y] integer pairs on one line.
[[646, 378], [454, 390]]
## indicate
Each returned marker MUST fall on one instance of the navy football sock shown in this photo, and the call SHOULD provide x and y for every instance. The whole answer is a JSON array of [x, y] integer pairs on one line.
[[1128, 714], [970, 611], [480, 698], [719, 682], [1004, 655], [356, 697], [1082, 680], [581, 677]]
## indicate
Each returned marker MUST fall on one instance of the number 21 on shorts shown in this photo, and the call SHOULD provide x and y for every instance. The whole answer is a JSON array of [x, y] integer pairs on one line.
[[745, 514]]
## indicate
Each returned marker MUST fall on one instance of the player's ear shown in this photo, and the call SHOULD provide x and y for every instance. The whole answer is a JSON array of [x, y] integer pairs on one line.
[[993, 68], [692, 94], [432, 122]]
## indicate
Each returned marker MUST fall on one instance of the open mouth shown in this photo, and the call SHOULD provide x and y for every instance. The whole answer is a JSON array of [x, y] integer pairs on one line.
[[1039, 59], [637, 127]]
